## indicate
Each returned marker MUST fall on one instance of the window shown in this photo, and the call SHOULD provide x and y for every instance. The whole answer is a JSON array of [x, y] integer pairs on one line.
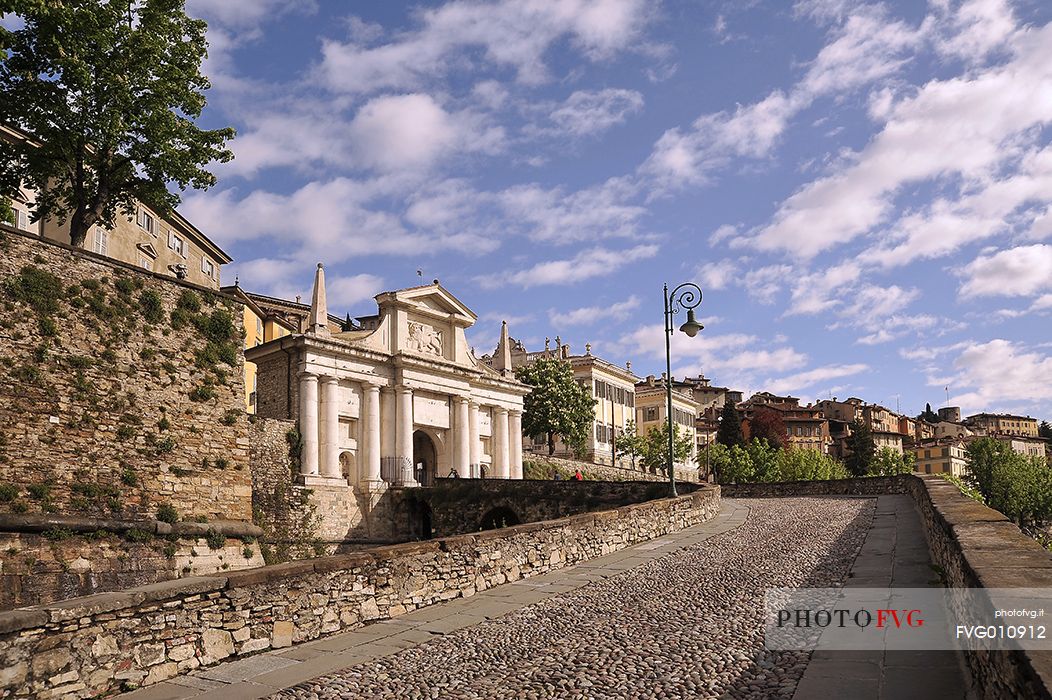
[[799, 431], [259, 331], [146, 222], [21, 221], [651, 413], [177, 244], [145, 263], [100, 241], [208, 267]]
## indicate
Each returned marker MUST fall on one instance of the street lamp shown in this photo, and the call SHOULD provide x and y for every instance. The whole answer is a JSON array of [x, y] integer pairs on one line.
[[685, 296]]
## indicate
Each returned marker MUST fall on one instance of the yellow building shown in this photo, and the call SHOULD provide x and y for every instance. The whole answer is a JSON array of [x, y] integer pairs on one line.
[[165, 244], [994, 424], [652, 413], [946, 456], [261, 326]]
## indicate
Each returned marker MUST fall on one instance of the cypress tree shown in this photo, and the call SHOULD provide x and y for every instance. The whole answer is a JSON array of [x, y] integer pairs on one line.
[[730, 431]]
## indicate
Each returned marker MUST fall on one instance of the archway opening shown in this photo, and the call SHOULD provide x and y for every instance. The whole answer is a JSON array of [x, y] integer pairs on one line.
[[499, 517], [425, 458], [420, 524], [349, 467]]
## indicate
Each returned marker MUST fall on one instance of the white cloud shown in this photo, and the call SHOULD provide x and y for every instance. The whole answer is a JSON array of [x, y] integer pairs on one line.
[[510, 33], [802, 380], [396, 132], [551, 214], [591, 112], [594, 262], [763, 284], [246, 14], [344, 292], [821, 291], [977, 28], [589, 315], [999, 373], [1021, 271], [965, 127], [717, 275]]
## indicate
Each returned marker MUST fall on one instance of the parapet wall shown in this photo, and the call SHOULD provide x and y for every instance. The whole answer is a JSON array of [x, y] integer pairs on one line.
[[604, 472], [101, 644]]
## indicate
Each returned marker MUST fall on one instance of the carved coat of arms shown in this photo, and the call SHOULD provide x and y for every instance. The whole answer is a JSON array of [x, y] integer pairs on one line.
[[424, 338]]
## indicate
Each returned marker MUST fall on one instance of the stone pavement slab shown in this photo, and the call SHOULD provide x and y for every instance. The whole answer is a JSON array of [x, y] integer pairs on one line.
[[262, 675], [894, 555]]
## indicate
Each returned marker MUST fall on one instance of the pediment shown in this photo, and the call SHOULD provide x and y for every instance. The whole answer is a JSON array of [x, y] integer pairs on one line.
[[433, 298], [148, 249]]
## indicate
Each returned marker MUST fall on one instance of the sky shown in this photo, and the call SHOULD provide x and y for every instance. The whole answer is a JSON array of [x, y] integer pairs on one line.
[[863, 191]]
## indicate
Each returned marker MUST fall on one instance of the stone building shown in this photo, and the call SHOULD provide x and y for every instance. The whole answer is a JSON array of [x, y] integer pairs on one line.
[[941, 456], [261, 326], [994, 424], [652, 412], [166, 244], [397, 402]]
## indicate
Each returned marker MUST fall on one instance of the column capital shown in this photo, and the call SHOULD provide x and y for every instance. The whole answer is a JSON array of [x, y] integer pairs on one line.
[[500, 410], [514, 412], [461, 399], [370, 387], [328, 378], [307, 374], [403, 389]]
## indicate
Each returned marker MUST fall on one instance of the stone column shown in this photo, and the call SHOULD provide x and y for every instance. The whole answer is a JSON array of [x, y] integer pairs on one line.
[[474, 443], [404, 437], [308, 424], [330, 427], [369, 450], [500, 443], [515, 443], [462, 437], [387, 435]]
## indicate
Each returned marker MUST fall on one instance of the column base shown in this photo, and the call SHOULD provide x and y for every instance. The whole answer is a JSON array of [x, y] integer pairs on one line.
[[316, 480]]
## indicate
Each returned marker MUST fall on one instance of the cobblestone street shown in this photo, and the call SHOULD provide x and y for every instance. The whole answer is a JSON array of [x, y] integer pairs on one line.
[[686, 624]]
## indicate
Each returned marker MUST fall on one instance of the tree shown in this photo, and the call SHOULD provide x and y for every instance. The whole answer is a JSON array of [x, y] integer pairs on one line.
[[929, 415], [1045, 430], [888, 462], [630, 444], [558, 405], [767, 424], [862, 448], [7, 214], [655, 450], [1017, 485], [107, 91], [730, 430]]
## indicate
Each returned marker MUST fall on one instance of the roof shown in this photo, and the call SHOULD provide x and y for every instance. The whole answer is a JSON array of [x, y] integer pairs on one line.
[[296, 305], [235, 290]]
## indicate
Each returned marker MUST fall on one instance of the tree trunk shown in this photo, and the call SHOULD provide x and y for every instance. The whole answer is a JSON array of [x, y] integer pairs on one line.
[[551, 444], [80, 223]]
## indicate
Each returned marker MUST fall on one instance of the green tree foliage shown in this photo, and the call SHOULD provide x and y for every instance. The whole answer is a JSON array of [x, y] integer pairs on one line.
[[108, 90], [730, 430], [1045, 430], [630, 444], [767, 424], [929, 415], [1017, 485], [863, 450], [558, 405], [7, 214], [760, 462], [655, 449], [888, 462]]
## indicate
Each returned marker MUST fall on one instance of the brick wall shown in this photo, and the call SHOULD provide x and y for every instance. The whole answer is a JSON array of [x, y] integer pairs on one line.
[[86, 647], [119, 390]]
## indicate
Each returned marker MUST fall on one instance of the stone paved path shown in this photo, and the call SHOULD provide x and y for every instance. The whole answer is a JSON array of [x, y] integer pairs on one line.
[[675, 617], [895, 554]]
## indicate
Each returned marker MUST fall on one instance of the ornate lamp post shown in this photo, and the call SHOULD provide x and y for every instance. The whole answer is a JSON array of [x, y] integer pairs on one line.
[[685, 296]]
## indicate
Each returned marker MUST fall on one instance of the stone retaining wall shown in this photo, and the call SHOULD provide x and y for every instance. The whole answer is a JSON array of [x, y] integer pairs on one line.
[[461, 505], [108, 642], [604, 472]]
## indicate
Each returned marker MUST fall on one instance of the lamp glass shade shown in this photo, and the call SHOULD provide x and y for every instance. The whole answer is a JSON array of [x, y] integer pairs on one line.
[[691, 327]]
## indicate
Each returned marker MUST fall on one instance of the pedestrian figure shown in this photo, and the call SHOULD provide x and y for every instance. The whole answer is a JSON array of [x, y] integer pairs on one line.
[[579, 476], [453, 474]]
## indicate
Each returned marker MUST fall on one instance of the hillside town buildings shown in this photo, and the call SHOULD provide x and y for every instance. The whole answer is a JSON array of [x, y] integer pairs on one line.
[[652, 412]]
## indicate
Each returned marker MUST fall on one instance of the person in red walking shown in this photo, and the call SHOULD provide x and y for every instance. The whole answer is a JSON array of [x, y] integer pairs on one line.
[[579, 476]]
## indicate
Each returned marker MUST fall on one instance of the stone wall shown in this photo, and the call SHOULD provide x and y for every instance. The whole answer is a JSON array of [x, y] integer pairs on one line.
[[976, 546], [460, 506], [566, 467], [120, 389], [101, 644]]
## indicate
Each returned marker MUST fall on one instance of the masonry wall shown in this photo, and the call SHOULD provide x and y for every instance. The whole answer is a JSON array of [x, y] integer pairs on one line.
[[546, 467], [460, 506], [93, 646], [120, 390]]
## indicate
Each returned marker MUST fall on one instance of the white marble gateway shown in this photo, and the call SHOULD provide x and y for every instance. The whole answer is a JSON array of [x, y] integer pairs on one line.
[[400, 400]]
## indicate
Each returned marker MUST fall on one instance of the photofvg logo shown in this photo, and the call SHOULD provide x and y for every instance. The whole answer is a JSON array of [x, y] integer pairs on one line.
[[906, 618]]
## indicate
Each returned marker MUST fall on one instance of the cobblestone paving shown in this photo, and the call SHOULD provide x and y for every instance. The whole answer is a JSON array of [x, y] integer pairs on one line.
[[686, 625]]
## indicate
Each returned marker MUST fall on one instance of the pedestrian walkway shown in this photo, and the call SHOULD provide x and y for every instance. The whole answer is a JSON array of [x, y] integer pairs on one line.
[[895, 554], [264, 674]]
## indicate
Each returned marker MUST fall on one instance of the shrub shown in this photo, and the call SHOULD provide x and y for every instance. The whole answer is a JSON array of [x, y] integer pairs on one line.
[[125, 286], [39, 492], [888, 462], [167, 513], [189, 301], [165, 445], [129, 477], [8, 493], [215, 539], [230, 417], [137, 535], [203, 392], [57, 534], [151, 306], [36, 288]]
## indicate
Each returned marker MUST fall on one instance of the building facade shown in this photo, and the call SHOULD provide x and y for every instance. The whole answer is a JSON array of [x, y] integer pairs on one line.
[[260, 327], [994, 424], [396, 404], [652, 413], [945, 456]]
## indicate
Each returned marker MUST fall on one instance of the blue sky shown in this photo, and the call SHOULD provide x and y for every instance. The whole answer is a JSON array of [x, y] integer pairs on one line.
[[863, 190]]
